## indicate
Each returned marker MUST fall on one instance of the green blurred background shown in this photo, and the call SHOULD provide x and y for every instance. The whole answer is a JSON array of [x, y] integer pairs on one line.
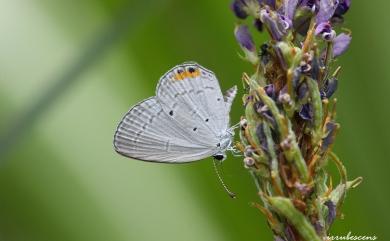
[[60, 179]]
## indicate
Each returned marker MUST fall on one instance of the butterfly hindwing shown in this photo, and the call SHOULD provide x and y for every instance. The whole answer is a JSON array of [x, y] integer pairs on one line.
[[148, 133]]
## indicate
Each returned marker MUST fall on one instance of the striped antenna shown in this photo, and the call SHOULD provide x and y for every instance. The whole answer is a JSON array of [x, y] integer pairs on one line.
[[230, 193]]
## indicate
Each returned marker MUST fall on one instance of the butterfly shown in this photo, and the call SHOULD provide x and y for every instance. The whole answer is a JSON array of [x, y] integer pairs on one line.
[[187, 120]]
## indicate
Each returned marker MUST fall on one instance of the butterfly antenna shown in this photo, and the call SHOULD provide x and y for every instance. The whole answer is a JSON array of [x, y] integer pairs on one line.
[[230, 193]]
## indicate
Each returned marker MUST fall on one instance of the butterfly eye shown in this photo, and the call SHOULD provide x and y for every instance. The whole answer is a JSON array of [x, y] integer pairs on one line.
[[219, 157]]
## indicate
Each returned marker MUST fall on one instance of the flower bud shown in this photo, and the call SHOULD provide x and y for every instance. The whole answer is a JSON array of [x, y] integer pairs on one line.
[[243, 124], [284, 98], [306, 112], [276, 24], [270, 3], [286, 144], [249, 151], [331, 212], [258, 24], [343, 7], [249, 162], [329, 88], [270, 90], [309, 4], [325, 31], [341, 44], [303, 91], [243, 8], [326, 10], [327, 141], [237, 7], [302, 19]]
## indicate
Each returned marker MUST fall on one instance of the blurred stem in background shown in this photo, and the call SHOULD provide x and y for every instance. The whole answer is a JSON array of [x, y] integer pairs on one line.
[[132, 17]]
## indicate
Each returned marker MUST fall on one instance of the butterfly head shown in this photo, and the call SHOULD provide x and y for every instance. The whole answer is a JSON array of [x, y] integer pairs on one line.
[[221, 156], [224, 144]]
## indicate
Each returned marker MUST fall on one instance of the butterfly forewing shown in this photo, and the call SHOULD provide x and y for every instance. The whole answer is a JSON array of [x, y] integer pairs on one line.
[[229, 96], [192, 94], [148, 133]]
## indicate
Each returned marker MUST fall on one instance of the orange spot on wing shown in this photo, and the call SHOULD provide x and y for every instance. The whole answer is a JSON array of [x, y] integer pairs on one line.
[[187, 74]]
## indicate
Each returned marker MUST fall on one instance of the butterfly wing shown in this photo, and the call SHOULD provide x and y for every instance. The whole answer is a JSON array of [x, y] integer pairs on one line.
[[147, 133], [192, 95], [229, 96]]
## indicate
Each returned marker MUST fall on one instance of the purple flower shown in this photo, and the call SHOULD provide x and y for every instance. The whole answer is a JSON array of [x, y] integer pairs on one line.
[[310, 4], [261, 137], [315, 68], [318, 227], [326, 10], [331, 212], [264, 112], [329, 88], [238, 7], [276, 23], [289, 8], [325, 31], [306, 112], [270, 90], [302, 18], [296, 79], [341, 44], [244, 38], [258, 25], [303, 91], [343, 7], [243, 8], [327, 141], [271, 3]]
